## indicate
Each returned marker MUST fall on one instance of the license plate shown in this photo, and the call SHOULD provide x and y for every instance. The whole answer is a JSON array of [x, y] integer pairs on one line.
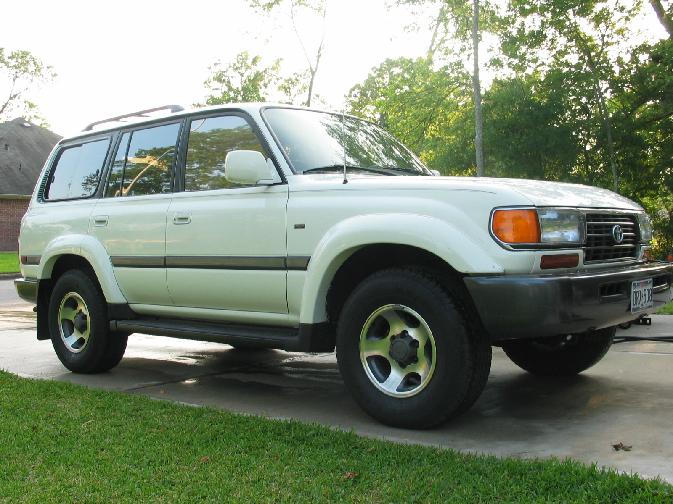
[[641, 295]]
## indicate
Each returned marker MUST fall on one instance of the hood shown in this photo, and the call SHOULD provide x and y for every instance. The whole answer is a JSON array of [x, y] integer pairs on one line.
[[542, 193], [510, 191]]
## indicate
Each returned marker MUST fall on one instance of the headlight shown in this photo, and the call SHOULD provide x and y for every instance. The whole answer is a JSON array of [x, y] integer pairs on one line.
[[560, 226], [545, 226], [645, 225]]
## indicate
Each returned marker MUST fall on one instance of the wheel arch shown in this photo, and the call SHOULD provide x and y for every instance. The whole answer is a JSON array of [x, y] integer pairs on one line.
[[81, 251], [372, 241]]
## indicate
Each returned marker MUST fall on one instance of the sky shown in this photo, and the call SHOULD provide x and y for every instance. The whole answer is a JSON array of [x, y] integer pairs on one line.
[[117, 57]]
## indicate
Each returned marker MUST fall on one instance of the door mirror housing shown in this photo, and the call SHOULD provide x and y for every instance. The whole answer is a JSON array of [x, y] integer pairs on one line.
[[248, 167]]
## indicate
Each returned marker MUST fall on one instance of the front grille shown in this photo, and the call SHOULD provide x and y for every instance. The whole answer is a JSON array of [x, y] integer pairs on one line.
[[601, 245]]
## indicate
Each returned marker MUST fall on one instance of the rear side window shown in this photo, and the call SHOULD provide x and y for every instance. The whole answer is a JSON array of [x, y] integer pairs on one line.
[[144, 162], [77, 171], [210, 140]]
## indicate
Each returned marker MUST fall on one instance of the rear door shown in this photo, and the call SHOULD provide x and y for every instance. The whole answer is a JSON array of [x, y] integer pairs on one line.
[[130, 218], [225, 243]]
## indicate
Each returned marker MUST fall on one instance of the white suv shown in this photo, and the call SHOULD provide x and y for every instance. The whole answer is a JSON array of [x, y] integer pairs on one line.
[[271, 226]]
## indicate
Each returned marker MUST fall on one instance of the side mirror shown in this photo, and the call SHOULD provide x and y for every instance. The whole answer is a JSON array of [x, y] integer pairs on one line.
[[248, 168], [436, 173]]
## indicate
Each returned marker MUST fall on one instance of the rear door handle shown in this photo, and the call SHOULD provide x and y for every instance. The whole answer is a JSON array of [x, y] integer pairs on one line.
[[100, 220], [180, 218]]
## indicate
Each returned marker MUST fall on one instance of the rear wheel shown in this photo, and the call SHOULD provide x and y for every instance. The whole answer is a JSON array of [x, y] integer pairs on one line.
[[79, 326], [406, 351], [561, 355]]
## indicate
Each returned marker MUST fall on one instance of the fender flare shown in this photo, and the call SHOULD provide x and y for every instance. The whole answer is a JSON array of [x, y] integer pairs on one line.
[[90, 249], [436, 236]]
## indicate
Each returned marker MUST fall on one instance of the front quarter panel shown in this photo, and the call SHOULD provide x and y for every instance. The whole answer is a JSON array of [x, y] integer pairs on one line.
[[341, 241]]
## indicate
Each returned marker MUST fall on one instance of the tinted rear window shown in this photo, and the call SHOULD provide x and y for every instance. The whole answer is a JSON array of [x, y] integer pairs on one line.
[[77, 171]]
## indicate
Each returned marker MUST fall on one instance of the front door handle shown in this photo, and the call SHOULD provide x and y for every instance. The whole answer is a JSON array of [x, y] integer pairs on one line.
[[180, 218], [100, 220]]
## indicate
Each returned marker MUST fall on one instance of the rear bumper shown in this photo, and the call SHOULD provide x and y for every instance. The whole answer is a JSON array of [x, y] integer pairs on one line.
[[530, 306], [26, 288]]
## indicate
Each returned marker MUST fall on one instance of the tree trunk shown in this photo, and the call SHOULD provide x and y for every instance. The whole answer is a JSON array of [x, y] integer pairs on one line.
[[607, 124], [309, 97], [603, 109], [478, 123], [664, 18], [313, 69]]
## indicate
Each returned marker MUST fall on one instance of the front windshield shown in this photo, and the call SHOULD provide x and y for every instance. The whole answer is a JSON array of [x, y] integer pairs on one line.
[[314, 142]]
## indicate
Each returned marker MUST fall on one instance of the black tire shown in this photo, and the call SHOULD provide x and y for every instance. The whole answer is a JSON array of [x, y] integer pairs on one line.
[[103, 350], [560, 355], [462, 360]]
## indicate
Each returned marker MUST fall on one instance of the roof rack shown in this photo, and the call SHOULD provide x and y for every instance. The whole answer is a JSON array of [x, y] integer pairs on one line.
[[140, 113]]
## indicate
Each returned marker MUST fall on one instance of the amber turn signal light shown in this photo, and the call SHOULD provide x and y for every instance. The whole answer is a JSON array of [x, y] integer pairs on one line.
[[516, 226], [559, 261]]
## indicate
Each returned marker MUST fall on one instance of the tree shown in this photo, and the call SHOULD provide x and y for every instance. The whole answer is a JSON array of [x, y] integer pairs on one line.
[[317, 8], [578, 38], [460, 21], [428, 109], [527, 130], [21, 72], [245, 79], [665, 16], [476, 85]]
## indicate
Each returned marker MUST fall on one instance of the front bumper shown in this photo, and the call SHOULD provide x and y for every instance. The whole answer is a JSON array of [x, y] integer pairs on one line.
[[531, 306], [26, 288]]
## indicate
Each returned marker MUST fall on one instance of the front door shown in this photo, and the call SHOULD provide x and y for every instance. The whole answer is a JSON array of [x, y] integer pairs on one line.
[[225, 243], [130, 220]]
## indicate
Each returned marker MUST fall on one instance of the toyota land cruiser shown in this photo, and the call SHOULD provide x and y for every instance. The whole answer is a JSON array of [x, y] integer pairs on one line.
[[289, 228]]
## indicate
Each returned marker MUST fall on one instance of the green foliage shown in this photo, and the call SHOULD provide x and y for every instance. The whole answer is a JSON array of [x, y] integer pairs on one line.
[[243, 80], [525, 131], [20, 72], [430, 110], [67, 443]]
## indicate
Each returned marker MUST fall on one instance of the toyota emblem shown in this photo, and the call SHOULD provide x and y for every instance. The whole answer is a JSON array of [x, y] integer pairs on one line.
[[617, 234]]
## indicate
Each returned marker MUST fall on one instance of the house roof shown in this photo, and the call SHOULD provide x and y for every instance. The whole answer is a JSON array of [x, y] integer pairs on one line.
[[24, 147]]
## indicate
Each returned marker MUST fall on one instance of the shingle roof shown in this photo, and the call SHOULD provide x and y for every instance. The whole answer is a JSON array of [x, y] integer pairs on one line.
[[24, 147]]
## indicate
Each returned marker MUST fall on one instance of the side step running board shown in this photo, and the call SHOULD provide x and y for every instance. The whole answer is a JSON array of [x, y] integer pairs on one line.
[[285, 338]]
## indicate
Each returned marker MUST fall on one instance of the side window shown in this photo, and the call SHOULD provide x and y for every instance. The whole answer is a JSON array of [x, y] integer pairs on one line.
[[114, 182], [210, 140], [77, 171], [143, 162]]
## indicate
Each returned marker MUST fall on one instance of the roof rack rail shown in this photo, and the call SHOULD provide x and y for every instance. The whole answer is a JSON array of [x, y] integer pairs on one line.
[[140, 113]]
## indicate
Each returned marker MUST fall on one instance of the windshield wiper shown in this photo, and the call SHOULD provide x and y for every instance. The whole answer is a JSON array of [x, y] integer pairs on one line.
[[401, 171], [340, 167]]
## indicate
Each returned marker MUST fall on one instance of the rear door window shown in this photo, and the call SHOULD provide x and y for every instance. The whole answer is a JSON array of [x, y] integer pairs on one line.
[[77, 171], [143, 162]]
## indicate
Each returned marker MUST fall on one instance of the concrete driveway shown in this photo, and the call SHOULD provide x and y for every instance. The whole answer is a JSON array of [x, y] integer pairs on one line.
[[627, 397]]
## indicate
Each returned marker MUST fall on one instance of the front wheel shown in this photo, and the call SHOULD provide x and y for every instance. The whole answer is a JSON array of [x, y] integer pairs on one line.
[[406, 352], [561, 355], [78, 325]]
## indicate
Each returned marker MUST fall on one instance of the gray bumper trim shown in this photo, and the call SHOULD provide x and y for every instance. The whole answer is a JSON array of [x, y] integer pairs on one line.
[[26, 288], [530, 306]]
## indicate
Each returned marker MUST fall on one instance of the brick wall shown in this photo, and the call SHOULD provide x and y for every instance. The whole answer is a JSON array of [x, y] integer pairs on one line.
[[12, 209]]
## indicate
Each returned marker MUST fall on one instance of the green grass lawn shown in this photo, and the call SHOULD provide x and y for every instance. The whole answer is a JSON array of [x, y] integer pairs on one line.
[[666, 309], [9, 262], [66, 443]]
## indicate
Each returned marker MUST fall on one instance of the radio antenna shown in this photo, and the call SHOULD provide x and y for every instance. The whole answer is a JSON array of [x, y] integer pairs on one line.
[[343, 141]]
